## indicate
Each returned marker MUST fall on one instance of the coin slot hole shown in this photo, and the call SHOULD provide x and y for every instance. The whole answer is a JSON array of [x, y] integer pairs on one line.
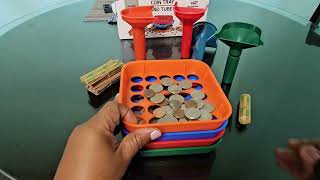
[[193, 77], [138, 110], [137, 98], [154, 120], [152, 108], [151, 79], [205, 97], [164, 76], [197, 86], [214, 117], [141, 121], [136, 88], [179, 78], [147, 87], [136, 79], [186, 96]]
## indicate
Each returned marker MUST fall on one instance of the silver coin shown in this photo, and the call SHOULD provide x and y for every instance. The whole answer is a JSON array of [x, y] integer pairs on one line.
[[158, 98], [183, 107], [200, 103], [192, 113], [178, 113], [175, 89], [175, 104], [159, 113], [166, 81], [149, 93], [156, 88], [168, 110], [165, 102], [205, 115], [190, 104], [208, 107], [197, 95], [185, 84], [177, 97], [168, 118]]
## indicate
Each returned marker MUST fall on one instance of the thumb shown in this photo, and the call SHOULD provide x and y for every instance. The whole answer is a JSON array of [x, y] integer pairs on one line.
[[133, 142]]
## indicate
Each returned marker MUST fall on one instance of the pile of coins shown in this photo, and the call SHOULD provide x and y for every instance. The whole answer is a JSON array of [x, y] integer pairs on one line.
[[174, 108]]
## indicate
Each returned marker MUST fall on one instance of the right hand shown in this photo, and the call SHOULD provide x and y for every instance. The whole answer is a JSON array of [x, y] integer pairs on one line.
[[300, 158]]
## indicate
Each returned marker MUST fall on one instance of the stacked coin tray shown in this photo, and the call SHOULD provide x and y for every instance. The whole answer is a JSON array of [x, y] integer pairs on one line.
[[191, 135], [138, 75], [179, 151]]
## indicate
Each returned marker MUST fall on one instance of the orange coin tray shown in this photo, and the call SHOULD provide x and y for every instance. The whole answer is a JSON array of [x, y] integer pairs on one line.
[[155, 69]]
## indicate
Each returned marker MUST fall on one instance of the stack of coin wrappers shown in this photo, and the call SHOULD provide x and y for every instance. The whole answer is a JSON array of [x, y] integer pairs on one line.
[[102, 77]]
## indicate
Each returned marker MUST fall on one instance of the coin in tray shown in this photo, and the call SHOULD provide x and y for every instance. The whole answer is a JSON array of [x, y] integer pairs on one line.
[[173, 107]]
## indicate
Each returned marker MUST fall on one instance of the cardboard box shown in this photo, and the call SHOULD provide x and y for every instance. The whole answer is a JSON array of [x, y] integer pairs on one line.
[[162, 8]]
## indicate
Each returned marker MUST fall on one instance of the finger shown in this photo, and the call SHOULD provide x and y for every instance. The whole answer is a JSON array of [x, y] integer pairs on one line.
[[288, 160], [133, 142], [111, 114], [309, 156], [296, 144]]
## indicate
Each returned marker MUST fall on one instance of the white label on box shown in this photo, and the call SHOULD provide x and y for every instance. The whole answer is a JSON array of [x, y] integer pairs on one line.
[[160, 8]]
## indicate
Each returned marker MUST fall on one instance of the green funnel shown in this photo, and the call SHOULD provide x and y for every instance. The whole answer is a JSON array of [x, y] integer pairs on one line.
[[237, 36]]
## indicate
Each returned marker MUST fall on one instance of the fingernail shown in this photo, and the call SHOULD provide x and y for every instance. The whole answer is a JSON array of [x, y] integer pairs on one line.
[[155, 134]]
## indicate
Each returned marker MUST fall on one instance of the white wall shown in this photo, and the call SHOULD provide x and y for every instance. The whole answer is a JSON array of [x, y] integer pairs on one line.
[[297, 10], [15, 12]]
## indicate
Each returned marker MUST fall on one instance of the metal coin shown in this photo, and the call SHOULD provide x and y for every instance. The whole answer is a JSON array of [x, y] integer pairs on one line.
[[177, 97], [183, 107], [166, 81], [149, 93], [192, 113], [200, 103], [168, 110], [178, 113], [185, 84], [159, 113], [158, 98], [168, 118], [208, 107], [197, 94], [165, 102], [175, 104], [205, 115], [174, 89], [156, 88], [191, 104]]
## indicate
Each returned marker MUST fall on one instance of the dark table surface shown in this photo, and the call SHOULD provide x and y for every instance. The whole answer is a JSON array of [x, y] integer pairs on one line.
[[42, 98]]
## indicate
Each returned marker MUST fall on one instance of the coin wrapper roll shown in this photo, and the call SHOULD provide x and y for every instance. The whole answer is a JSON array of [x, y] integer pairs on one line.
[[101, 78]]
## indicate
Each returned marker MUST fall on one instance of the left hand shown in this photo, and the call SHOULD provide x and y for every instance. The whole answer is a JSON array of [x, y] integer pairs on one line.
[[93, 152]]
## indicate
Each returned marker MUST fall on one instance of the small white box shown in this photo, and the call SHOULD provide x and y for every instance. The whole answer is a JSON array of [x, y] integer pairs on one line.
[[160, 8]]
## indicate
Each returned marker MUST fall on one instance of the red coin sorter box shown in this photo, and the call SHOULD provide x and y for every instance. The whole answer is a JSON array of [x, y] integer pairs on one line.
[[136, 76]]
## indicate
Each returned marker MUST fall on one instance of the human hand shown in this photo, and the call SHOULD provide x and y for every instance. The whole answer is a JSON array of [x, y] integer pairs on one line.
[[300, 158], [93, 152]]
